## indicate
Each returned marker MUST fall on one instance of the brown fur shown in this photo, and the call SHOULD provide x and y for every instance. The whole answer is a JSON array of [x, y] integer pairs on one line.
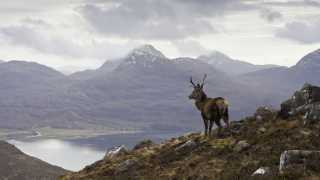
[[212, 109]]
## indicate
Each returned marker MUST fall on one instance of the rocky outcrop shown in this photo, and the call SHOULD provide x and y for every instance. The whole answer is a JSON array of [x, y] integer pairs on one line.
[[241, 145], [305, 102], [299, 159], [265, 113], [262, 171], [116, 151], [187, 146]]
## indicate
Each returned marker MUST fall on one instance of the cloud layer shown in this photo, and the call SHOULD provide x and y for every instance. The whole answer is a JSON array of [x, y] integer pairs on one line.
[[95, 30], [152, 19], [301, 32]]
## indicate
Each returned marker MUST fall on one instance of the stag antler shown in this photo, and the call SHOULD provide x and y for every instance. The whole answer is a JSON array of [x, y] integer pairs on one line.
[[192, 82], [203, 80]]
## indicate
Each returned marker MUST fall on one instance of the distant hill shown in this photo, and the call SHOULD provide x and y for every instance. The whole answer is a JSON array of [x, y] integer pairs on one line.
[[33, 95], [142, 90], [15, 165], [231, 66], [286, 80]]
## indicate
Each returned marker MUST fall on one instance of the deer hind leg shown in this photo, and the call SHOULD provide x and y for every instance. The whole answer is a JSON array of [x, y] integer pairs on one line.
[[205, 122], [217, 121], [226, 118]]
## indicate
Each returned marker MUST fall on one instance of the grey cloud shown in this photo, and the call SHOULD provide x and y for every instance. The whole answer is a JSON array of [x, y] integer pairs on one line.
[[35, 22], [151, 19], [301, 32], [44, 42], [270, 14], [190, 48], [292, 3]]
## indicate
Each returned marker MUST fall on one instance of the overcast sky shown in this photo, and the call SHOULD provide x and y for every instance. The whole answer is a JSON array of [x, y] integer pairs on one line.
[[79, 34]]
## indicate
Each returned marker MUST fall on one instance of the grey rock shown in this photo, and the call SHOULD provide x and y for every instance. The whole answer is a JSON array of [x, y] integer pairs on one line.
[[305, 102], [116, 151], [262, 130], [187, 146], [296, 157], [262, 171], [127, 164], [241, 145], [265, 113]]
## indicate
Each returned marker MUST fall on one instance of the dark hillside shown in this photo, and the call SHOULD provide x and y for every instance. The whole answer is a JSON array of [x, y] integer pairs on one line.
[[254, 142]]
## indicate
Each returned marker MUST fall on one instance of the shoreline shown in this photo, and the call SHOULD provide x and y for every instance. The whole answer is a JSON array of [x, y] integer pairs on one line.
[[57, 133]]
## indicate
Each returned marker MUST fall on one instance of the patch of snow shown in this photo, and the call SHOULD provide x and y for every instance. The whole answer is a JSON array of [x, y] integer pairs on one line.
[[147, 50]]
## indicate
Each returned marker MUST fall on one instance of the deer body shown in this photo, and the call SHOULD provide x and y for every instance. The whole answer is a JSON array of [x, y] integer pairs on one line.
[[212, 109]]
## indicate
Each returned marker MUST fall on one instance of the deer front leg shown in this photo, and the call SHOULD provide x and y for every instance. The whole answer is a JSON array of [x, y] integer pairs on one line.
[[205, 122], [210, 127]]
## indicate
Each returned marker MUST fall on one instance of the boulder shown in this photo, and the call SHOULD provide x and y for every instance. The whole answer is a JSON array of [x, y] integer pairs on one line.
[[127, 164], [187, 146], [262, 171], [265, 113], [313, 113], [262, 130], [305, 102], [313, 93], [241, 145], [299, 158], [116, 151]]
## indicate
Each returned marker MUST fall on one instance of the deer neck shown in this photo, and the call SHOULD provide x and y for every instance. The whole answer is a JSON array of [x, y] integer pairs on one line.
[[200, 103]]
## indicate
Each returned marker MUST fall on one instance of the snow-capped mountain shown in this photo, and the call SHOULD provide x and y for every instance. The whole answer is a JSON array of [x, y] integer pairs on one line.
[[147, 89], [231, 66]]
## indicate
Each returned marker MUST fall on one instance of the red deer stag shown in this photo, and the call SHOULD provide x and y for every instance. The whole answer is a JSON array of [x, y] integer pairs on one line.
[[212, 109]]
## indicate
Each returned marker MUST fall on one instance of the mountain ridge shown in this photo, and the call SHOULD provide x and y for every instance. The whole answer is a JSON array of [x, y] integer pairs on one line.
[[141, 96], [15, 165], [231, 66]]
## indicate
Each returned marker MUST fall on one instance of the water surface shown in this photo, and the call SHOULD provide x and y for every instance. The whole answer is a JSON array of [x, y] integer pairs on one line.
[[75, 154]]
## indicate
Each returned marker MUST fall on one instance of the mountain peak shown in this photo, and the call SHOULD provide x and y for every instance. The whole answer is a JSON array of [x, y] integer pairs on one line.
[[311, 59], [214, 54], [146, 50]]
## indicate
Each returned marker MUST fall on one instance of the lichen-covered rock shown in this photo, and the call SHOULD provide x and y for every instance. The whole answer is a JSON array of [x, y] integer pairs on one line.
[[126, 165], [187, 146], [262, 171], [262, 130], [116, 151], [305, 102], [241, 145], [296, 158], [265, 113]]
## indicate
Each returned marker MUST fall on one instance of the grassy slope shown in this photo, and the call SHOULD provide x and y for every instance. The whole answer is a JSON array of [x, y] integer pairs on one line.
[[214, 158], [15, 165]]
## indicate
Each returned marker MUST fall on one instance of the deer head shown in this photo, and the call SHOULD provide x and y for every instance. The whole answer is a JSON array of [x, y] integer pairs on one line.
[[198, 93]]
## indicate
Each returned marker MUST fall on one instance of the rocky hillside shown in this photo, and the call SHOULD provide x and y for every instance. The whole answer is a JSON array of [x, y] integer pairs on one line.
[[15, 165], [264, 146]]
